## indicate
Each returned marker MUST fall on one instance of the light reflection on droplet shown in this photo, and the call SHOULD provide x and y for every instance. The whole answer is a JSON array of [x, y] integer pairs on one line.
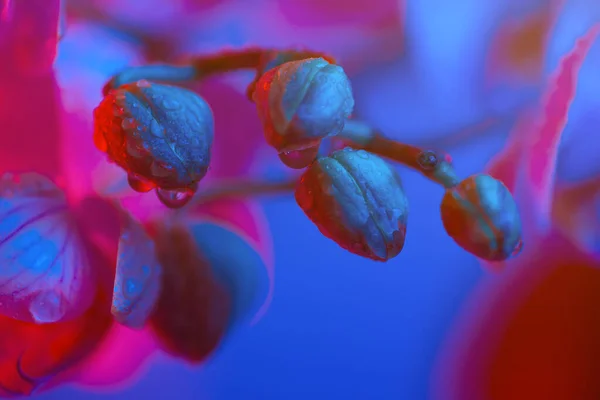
[[174, 198]]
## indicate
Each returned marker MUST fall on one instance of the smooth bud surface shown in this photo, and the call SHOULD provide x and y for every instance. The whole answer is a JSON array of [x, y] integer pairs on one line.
[[481, 215], [302, 102], [357, 200], [159, 134]]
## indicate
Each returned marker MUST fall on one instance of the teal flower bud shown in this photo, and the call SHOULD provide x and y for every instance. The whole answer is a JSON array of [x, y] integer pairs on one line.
[[299, 104], [161, 135], [357, 200], [481, 215]]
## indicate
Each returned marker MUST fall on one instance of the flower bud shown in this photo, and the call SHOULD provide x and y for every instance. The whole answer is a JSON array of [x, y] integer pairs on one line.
[[356, 200], [481, 215], [161, 135], [302, 102]]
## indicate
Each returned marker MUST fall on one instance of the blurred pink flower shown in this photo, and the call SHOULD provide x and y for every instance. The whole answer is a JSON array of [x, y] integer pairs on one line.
[[78, 340], [531, 332]]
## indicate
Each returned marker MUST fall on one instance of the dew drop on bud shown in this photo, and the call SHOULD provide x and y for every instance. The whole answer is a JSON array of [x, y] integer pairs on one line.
[[299, 159], [139, 184], [518, 249], [46, 307], [174, 198]]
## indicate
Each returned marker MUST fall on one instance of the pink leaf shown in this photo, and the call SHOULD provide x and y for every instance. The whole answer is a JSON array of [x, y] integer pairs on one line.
[[29, 105], [247, 221], [528, 163], [47, 274], [541, 146], [137, 280]]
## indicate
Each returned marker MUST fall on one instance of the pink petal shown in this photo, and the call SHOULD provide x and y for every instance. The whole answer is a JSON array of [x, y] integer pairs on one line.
[[119, 360], [238, 132], [29, 105], [47, 274], [528, 163], [138, 275], [246, 220], [541, 147], [512, 340]]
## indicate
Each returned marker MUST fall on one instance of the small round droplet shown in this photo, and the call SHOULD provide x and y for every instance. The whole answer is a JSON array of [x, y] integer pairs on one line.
[[428, 160], [128, 124], [518, 249], [174, 198], [363, 154], [299, 159], [139, 184], [46, 307], [161, 170], [171, 104], [143, 83]]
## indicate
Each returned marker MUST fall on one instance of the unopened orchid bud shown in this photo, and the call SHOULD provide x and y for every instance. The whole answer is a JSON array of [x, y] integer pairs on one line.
[[356, 200], [299, 104], [481, 215], [161, 135]]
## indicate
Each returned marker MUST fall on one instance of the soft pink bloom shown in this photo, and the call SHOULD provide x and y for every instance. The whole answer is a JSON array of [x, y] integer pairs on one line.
[[531, 331], [79, 340]]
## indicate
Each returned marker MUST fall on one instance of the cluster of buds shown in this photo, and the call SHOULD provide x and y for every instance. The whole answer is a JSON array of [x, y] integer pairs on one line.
[[162, 135]]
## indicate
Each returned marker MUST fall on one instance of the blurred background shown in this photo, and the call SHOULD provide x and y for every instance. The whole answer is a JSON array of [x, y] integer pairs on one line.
[[454, 74]]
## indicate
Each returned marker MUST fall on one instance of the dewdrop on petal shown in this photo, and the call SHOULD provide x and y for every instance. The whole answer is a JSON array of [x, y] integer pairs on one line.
[[357, 200], [299, 104], [161, 135], [481, 215]]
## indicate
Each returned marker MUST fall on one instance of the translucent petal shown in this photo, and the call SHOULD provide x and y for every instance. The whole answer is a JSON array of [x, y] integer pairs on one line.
[[247, 221], [237, 265], [45, 272], [137, 279], [528, 163]]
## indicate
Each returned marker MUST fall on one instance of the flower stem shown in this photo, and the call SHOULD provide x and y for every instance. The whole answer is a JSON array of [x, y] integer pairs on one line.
[[432, 164], [200, 67]]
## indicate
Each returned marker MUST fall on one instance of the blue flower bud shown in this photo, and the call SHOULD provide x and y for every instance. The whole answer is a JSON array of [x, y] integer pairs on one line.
[[302, 102], [357, 200], [481, 215], [161, 135]]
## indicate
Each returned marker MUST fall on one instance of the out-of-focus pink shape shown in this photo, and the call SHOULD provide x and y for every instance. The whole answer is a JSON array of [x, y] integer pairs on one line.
[[531, 332], [518, 47], [533, 152], [359, 13], [528, 333], [29, 107], [120, 359], [576, 212], [245, 219]]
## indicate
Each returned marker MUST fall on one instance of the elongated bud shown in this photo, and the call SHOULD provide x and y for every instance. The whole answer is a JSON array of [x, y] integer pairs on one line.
[[481, 215], [300, 103], [161, 135], [357, 200]]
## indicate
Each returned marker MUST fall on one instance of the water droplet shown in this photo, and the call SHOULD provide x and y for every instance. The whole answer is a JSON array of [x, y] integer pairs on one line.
[[46, 307], [133, 149], [428, 160], [363, 154], [132, 287], [518, 249], [171, 104], [156, 129], [140, 184], [142, 83], [174, 198], [160, 169], [299, 159], [128, 124]]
